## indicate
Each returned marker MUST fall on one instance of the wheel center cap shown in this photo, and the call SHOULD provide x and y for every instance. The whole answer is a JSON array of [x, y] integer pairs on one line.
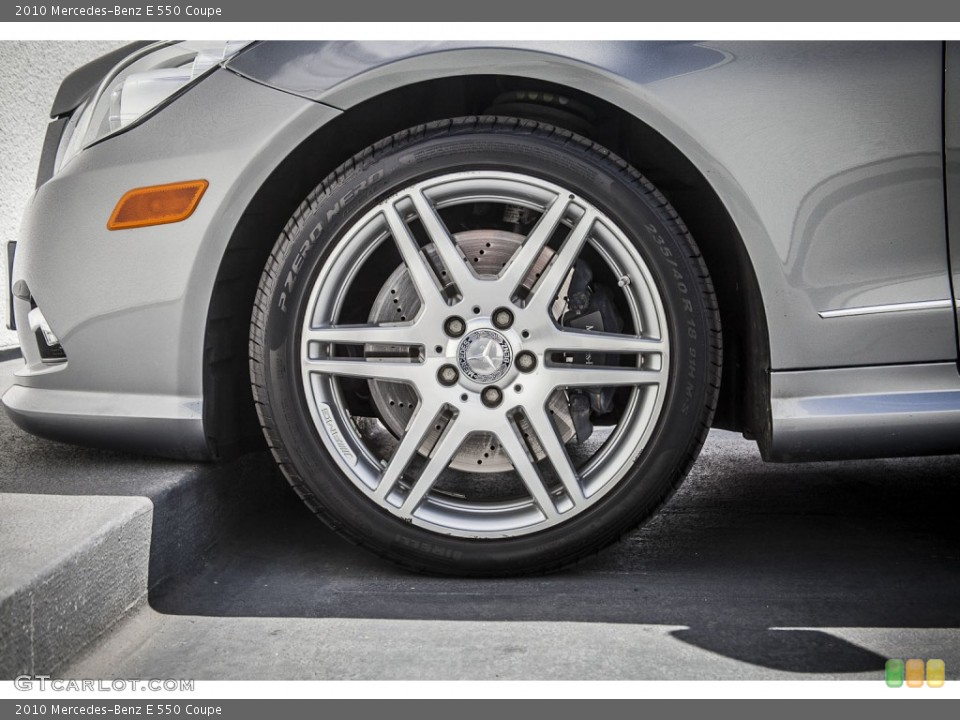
[[484, 356]]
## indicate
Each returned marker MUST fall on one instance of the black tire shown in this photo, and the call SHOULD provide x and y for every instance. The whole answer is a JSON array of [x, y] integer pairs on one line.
[[486, 143]]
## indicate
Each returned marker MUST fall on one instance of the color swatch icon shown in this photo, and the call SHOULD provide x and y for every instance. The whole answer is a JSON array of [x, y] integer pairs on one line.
[[936, 673], [913, 671], [894, 673]]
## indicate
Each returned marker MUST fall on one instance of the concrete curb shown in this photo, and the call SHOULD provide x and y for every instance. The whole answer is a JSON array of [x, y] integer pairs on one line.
[[70, 567], [87, 535]]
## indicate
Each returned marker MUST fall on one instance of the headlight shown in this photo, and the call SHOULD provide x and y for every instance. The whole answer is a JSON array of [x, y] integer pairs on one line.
[[139, 84]]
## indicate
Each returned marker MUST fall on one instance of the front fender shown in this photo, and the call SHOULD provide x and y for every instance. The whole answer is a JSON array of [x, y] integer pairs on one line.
[[770, 126]]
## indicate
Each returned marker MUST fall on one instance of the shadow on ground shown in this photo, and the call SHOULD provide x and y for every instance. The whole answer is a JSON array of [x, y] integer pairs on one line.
[[751, 558]]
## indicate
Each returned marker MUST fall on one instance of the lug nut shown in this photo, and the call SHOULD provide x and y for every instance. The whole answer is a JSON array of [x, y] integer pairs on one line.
[[491, 396], [454, 326], [526, 361], [502, 318], [447, 375]]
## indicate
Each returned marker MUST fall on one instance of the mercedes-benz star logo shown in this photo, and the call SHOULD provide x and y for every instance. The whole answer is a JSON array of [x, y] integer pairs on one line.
[[484, 356]]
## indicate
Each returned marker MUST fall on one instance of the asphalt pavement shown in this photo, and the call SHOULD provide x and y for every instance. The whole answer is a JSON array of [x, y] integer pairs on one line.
[[752, 571]]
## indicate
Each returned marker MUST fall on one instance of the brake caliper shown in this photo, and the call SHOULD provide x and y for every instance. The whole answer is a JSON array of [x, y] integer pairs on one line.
[[590, 307]]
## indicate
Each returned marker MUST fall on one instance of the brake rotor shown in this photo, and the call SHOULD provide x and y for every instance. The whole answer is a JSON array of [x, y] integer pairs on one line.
[[487, 251]]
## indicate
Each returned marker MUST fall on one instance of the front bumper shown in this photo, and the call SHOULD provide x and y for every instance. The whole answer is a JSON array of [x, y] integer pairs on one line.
[[149, 424], [130, 306]]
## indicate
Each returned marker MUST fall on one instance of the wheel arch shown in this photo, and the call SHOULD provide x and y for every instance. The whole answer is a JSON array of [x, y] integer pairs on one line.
[[230, 421]]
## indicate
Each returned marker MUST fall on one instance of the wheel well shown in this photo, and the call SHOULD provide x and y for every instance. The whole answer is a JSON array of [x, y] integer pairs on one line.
[[229, 416]]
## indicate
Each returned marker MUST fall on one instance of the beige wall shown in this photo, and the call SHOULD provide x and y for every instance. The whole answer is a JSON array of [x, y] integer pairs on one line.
[[30, 73]]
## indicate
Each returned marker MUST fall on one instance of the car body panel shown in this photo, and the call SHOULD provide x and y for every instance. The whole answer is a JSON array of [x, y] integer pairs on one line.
[[842, 211], [887, 411]]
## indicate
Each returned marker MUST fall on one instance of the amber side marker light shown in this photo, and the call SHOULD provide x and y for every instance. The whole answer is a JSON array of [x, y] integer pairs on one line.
[[157, 205]]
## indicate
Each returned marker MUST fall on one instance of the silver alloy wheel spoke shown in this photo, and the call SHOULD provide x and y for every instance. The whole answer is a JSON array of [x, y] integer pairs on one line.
[[528, 472], [382, 334], [424, 281], [557, 454], [571, 341], [413, 437], [371, 369], [441, 456], [600, 376], [519, 266], [556, 272], [453, 261]]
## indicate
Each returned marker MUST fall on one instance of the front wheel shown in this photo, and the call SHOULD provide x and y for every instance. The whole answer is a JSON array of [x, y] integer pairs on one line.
[[485, 346]]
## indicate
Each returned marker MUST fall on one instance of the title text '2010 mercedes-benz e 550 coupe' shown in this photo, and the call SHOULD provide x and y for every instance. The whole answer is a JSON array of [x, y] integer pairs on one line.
[[483, 301]]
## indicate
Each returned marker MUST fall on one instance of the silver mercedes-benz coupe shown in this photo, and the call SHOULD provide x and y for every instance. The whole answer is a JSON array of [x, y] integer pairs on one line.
[[483, 301]]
